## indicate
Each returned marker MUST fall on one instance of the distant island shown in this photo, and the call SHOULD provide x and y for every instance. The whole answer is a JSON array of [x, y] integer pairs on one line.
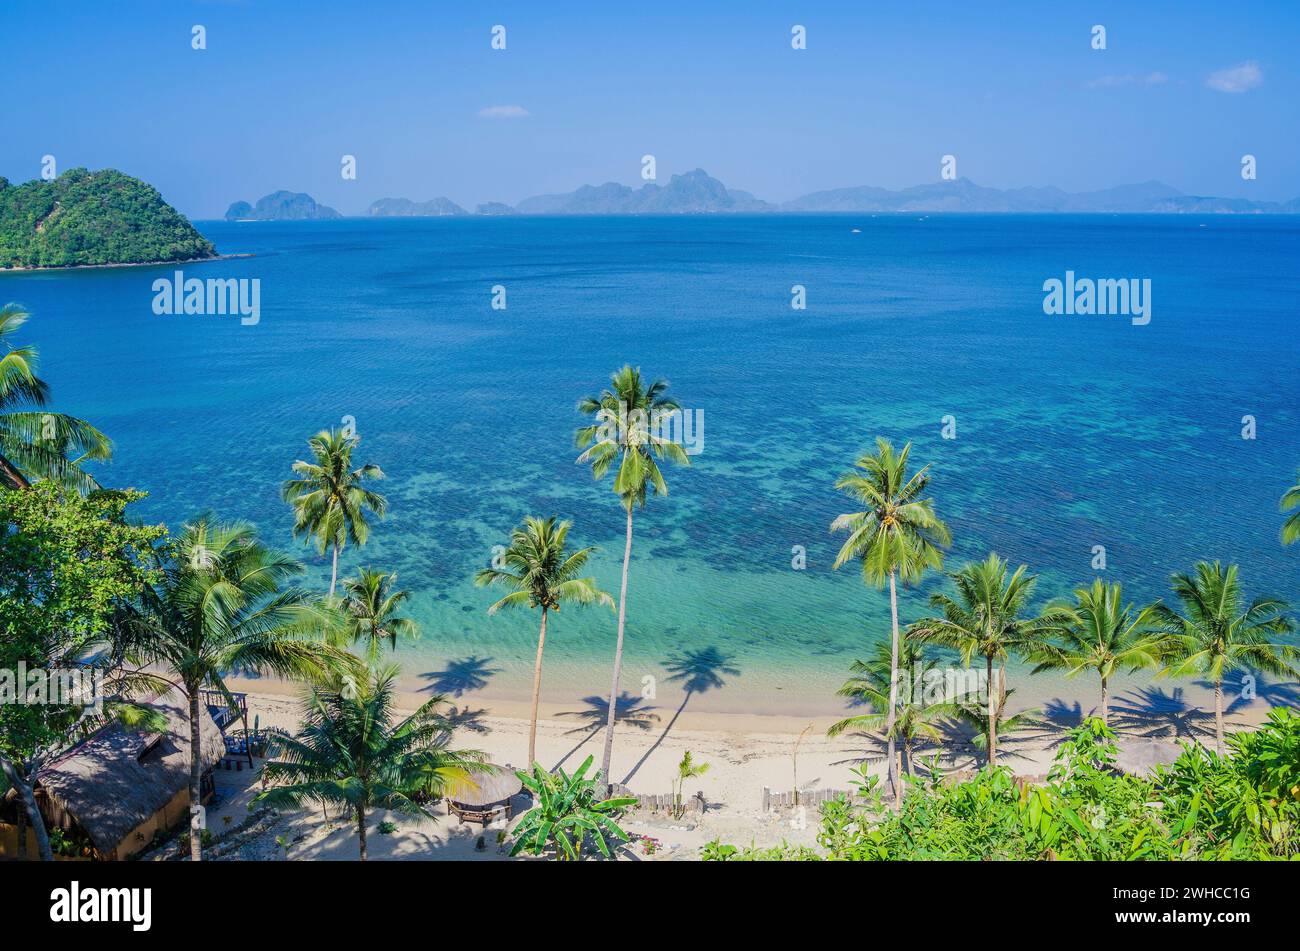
[[84, 218], [281, 206], [697, 192], [405, 208]]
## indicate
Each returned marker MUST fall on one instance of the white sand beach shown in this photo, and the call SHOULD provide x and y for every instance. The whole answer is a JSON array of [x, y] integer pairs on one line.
[[744, 753]]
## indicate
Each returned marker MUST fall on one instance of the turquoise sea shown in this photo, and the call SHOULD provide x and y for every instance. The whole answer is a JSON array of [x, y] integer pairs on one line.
[[1071, 431]]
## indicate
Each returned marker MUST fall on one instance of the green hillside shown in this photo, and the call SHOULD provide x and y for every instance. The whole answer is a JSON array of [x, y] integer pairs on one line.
[[85, 217]]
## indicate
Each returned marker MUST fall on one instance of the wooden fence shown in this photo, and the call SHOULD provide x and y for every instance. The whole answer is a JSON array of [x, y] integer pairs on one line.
[[778, 801], [658, 803]]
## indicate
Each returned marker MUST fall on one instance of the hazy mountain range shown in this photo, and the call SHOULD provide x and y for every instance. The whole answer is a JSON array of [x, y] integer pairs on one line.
[[699, 193]]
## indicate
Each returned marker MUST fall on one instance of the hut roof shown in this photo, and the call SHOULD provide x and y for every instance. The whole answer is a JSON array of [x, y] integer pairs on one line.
[[484, 788], [116, 778]]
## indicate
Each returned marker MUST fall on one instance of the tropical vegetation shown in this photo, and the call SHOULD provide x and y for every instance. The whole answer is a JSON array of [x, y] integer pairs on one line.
[[570, 814], [83, 218], [352, 752], [629, 416], [330, 498], [541, 574], [896, 535]]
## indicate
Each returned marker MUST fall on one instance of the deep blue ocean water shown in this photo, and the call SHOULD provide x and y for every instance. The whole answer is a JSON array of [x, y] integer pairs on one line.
[[1072, 431]]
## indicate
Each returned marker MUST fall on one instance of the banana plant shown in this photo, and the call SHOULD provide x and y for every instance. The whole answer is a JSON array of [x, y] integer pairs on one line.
[[568, 812]]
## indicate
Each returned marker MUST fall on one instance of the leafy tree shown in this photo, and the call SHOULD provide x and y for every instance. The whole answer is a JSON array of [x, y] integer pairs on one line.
[[896, 535], [370, 609], [221, 603], [569, 812], [36, 445], [329, 497], [917, 711], [1218, 632], [542, 574], [349, 752], [66, 563], [988, 619], [629, 417], [1103, 634]]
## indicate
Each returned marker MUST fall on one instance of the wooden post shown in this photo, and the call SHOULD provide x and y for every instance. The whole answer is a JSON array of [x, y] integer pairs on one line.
[[767, 798]]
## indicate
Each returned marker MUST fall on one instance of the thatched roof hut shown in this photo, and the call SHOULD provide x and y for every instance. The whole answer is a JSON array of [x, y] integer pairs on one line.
[[120, 787]]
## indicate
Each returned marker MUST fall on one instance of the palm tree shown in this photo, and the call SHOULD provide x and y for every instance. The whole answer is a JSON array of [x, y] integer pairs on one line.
[[36, 445], [897, 535], [349, 752], [542, 575], [686, 769], [1103, 634], [916, 710], [1218, 633], [986, 620], [221, 604], [370, 606], [329, 497], [629, 418], [1291, 527]]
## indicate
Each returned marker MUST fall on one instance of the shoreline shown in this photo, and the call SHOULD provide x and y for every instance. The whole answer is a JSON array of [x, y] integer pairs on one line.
[[1182, 707], [97, 267]]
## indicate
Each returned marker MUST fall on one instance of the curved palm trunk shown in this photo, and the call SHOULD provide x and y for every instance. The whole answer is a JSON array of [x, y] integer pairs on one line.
[[32, 813], [361, 830], [1218, 715], [334, 572], [10, 477], [892, 763], [537, 694], [1105, 702], [618, 656], [196, 787], [907, 755], [995, 710]]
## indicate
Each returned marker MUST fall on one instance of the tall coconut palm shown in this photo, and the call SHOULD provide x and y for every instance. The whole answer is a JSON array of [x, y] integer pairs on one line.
[[916, 710], [628, 428], [541, 574], [1291, 527], [222, 603], [988, 619], [370, 606], [1105, 635], [35, 444], [329, 497], [1218, 632], [349, 752], [896, 535]]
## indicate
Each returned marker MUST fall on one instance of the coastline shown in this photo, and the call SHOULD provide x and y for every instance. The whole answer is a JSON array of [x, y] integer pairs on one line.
[[98, 267]]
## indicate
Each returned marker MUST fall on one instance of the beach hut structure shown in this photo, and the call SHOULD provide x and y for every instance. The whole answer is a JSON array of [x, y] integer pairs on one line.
[[111, 794], [484, 795]]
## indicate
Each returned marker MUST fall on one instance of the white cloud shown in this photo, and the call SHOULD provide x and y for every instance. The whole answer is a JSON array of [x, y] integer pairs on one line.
[[1236, 78], [1128, 79], [503, 112]]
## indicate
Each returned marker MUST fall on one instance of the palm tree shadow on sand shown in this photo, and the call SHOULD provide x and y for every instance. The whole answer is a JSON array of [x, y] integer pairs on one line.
[[1246, 693], [698, 672], [629, 710], [467, 718], [461, 676], [1156, 712]]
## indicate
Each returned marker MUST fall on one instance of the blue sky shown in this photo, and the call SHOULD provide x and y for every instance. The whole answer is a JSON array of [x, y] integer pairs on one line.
[[884, 89]]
